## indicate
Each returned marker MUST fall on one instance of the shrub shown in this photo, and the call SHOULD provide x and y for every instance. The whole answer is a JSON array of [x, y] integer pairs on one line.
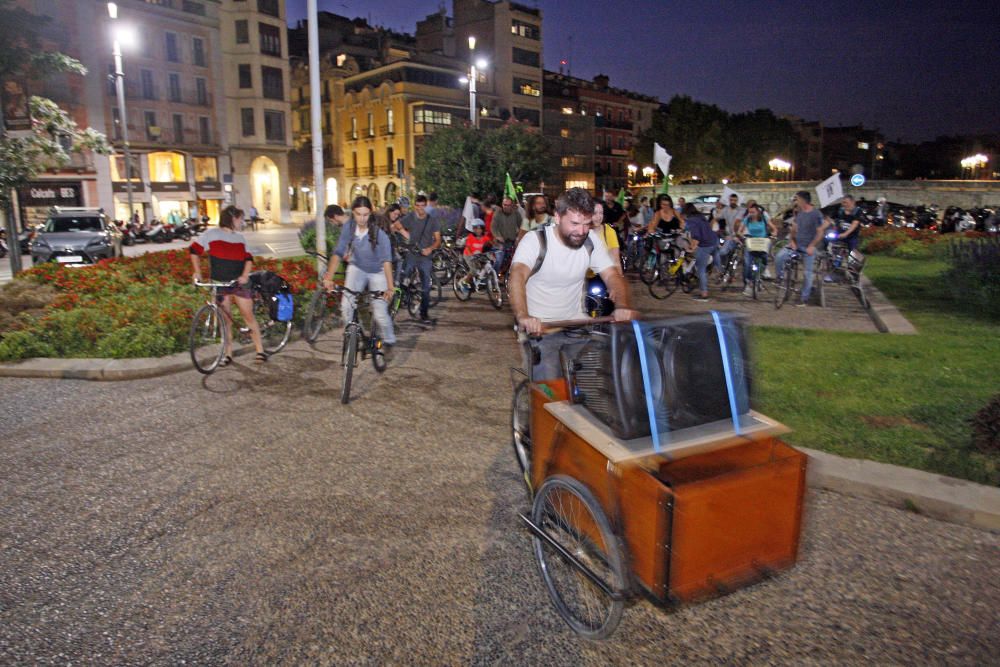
[[974, 275], [307, 237], [138, 340], [986, 427], [74, 333], [24, 345], [913, 250], [22, 297]]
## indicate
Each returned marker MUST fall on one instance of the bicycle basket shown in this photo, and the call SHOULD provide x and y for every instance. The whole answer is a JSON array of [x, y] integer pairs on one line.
[[756, 244], [855, 262]]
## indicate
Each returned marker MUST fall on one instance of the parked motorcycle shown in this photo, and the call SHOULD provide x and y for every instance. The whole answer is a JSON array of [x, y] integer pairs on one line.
[[159, 232]]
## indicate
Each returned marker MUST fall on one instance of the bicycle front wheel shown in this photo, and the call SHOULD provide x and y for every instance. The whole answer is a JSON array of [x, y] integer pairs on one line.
[[665, 283], [349, 358], [493, 289], [648, 270], [462, 291], [273, 334], [321, 314], [207, 339], [587, 591]]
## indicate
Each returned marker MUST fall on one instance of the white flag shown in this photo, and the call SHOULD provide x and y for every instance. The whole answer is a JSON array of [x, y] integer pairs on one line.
[[662, 159], [830, 190], [726, 191]]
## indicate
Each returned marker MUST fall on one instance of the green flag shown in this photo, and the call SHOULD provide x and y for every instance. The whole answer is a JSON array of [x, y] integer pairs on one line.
[[508, 189], [621, 198], [665, 185]]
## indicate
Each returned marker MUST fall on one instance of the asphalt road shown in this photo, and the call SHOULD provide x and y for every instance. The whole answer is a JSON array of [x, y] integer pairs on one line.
[[249, 518]]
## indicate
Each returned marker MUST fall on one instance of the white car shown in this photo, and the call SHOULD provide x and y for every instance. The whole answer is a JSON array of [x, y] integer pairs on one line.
[[705, 203]]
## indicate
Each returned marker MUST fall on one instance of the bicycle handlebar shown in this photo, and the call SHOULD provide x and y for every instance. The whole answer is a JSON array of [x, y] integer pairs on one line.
[[371, 293], [212, 283]]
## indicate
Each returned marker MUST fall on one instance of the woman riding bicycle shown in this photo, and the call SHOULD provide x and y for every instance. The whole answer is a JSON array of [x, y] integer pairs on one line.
[[229, 260], [754, 226], [367, 249], [665, 219]]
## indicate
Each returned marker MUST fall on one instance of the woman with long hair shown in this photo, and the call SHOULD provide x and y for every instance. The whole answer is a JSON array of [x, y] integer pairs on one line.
[[368, 251], [229, 260], [665, 218]]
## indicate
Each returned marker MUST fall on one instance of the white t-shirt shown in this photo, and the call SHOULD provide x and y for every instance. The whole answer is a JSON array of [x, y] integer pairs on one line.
[[556, 291]]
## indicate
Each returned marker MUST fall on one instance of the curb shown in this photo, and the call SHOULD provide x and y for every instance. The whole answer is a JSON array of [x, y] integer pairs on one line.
[[883, 313], [105, 370], [943, 498]]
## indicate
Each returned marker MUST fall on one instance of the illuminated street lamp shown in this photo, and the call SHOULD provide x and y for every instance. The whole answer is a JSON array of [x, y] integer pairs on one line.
[[648, 173], [974, 162], [632, 170], [121, 34], [779, 165], [476, 65]]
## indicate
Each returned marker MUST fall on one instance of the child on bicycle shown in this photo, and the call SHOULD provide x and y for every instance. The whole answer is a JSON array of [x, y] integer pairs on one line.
[[476, 245], [229, 260]]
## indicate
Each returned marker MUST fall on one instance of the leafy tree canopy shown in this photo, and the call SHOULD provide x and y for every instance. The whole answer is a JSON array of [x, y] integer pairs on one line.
[[457, 161]]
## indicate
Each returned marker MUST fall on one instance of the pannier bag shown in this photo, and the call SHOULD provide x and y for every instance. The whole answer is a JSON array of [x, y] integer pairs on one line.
[[276, 293]]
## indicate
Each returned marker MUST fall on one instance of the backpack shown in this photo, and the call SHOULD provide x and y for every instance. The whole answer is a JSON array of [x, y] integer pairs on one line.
[[543, 245], [276, 293]]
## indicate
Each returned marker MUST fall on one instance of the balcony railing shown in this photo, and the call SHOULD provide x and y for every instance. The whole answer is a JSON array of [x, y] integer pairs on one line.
[[386, 130], [350, 136]]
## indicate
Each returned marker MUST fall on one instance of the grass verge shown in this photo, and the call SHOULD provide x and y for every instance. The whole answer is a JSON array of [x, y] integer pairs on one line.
[[904, 400]]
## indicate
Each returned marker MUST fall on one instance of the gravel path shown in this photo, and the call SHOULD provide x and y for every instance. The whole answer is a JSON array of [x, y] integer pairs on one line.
[[248, 518]]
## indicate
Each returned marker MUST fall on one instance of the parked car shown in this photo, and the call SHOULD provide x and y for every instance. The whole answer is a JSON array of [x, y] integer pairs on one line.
[[76, 236], [705, 203]]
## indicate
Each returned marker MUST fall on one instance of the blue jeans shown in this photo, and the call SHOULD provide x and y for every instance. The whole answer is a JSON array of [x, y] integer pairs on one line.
[[748, 259], [702, 255], [727, 248], [807, 261], [424, 266]]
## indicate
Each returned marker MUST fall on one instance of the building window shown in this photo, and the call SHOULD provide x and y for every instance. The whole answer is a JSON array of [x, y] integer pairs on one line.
[[326, 121], [270, 40], [272, 82], [532, 116], [523, 29], [390, 123], [354, 127], [525, 57], [246, 120], [194, 7], [152, 130], [242, 32], [371, 124], [174, 86], [246, 78], [568, 111], [527, 87], [564, 132], [167, 167], [146, 79], [146, 46], [198, 48], [204, 130], [206, 169], [173, 53], [371, 161], [274, 126], [567, 161], [201, 91], [431, 116], [390, 159], [269, 7], [178, 128]]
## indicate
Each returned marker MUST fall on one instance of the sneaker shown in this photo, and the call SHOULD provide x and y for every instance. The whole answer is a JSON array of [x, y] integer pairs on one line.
[[427, 321], [801, 304], [747, 291], [699, 297]]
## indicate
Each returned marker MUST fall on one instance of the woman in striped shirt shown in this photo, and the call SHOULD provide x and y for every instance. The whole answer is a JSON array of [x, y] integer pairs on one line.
[[229, 260]]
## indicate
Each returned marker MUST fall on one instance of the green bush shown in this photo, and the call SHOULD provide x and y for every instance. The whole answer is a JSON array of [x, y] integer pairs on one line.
[[137, 340], [913, 250], [307, 237], [19, 345], [975, 273], [74, 333]]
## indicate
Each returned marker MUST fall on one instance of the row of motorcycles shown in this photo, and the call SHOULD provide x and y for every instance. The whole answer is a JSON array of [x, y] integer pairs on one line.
[[160, 232]]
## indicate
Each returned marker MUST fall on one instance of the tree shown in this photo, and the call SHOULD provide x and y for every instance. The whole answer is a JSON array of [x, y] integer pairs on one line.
[[457, 161], [53, 133]]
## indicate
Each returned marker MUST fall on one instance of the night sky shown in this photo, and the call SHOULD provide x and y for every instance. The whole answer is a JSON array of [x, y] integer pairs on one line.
[[915, 70]]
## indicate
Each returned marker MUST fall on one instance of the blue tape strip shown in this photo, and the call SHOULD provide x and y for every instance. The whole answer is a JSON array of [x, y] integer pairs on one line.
[[646, 385], [727, 370]]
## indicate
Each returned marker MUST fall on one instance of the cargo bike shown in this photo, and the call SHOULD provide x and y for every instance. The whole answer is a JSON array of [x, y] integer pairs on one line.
[[704, 501]]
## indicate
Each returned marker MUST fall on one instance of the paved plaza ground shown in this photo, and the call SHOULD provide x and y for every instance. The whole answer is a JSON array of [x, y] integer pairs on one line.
[[249, 518]]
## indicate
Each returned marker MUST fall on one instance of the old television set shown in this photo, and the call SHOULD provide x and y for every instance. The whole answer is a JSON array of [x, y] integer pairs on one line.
[[675, 373]]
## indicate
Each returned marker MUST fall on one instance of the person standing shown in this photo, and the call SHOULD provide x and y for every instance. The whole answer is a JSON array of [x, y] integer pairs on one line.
[[647, 212], [705, 243], [424, 236], [369, 253], [614, 214], [229, 260], [506, 221], [804, 237]]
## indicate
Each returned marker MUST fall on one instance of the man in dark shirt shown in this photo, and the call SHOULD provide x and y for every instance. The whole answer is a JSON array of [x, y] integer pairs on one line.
[[424, 236], [506, 222], [848, 222], [613, 212]]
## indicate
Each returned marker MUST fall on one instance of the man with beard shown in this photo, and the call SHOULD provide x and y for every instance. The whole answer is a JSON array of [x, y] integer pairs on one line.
[[506, 222], [547, 278], [536, 216]]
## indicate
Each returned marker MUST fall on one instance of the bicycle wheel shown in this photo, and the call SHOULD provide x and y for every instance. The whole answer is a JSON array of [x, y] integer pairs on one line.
[[648, 271], [273, 334], [567, 512], [493, 289], [413, 299], [520, 429], [321, 315], [378, 354], [462, 292], [665, 283], [207, 340], [729, 271], [436, 290], [756, 278], [348, 358]]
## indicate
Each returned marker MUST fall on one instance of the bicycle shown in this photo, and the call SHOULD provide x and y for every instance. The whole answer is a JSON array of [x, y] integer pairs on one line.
[[757, 252], [485, 279], [210, 325], [323, 313], [676, 270], [733, 265], [357, 340], [787, 284], [446, 259]]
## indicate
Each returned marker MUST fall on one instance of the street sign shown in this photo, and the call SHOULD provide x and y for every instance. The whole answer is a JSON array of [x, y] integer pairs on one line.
[[857, 180]]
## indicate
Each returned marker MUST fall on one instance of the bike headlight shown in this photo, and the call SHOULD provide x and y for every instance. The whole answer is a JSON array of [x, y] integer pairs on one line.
[[595, 290]]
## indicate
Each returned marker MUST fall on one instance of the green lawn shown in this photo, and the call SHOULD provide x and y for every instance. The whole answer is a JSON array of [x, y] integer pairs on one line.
[[898, 399]]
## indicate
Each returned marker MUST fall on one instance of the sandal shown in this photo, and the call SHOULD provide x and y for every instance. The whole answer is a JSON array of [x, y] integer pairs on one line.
[[261, 357], [226, 360]]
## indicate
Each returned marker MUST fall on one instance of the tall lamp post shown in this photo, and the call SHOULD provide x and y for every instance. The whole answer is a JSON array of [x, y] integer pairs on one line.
[[973, 163], [475, 65], [119, 75]]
